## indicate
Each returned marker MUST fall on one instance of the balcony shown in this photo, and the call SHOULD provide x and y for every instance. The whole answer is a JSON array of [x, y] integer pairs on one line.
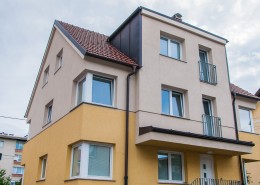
[[211, 126], [208, 181], [208, 73]]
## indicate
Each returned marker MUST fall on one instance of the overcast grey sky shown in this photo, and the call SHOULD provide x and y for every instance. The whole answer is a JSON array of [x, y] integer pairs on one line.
[[26, 26]]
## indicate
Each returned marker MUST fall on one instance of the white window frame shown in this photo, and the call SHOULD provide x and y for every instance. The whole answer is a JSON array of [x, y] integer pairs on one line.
[[59, 60], [15, 171], [47, 112], [182, 102], [42, 162], [169, 48], [2, 144], [88, 95], [84, 161], [251, 119], [170, 169], [46, 75], [18, 157]]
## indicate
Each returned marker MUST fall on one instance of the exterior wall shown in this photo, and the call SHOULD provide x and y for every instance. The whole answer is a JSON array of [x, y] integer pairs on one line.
[[106, 125], [8, 157], [256, 118], [159, 70], [8, 152], [61, 87]]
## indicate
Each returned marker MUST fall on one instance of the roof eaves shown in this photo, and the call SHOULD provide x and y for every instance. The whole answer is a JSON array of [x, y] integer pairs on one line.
[[246, 96]]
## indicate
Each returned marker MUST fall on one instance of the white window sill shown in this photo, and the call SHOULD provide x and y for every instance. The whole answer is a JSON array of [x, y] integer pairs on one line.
[[90, 179], [170, 182]]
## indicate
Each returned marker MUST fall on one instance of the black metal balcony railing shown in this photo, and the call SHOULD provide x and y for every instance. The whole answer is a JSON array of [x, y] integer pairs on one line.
[[208, 73], [211, 125], [208, 181]]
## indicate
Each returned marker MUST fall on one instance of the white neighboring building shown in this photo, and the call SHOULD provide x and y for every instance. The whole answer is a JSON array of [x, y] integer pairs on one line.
[[11, 148]]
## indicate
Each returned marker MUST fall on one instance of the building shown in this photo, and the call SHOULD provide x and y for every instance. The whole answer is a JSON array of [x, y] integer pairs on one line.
[[150, 104], [11, 148], [248, 113]]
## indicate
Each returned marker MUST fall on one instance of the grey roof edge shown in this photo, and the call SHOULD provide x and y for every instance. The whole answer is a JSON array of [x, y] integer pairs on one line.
[[13, 137], [163, 15]]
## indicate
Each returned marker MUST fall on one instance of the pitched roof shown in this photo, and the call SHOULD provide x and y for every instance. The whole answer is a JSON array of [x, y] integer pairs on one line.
[[239, 91], [258, 93], [93, 44]]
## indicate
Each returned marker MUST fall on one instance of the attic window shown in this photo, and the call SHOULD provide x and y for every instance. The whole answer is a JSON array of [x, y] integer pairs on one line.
[[46, 76], [59, 60]]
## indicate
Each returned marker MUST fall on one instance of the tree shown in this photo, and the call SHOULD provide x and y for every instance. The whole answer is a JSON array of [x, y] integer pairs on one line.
[[3, 179]]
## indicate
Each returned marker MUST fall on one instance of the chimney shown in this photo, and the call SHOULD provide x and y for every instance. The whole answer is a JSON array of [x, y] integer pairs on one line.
[[177, 17]]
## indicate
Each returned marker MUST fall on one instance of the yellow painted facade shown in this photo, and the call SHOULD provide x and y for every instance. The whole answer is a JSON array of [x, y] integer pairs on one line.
[[107, 125], [253, 168]]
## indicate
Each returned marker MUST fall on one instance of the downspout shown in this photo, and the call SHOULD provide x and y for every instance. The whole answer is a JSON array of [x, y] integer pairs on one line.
[[127, 124], [237, 136]]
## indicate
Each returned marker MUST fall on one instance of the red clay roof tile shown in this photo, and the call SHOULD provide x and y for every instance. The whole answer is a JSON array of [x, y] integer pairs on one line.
[[96, 44], [240, 91]]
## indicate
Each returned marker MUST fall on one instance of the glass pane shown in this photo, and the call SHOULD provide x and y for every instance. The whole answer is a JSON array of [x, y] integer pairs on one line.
[[245, 121], [163, 166], [177, 104], [43, 167], [102, 91], [176, 167], [164, 46], [99, 161], [165, 102], [175, 50], [76, 161], [203, 56], [49, 114], [206, 106], [81, 91]]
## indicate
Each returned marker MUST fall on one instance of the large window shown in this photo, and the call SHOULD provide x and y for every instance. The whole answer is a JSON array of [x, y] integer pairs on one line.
[[91, 161], [171, 48], [17, 170], [246, 123], [172, 103], [170, 167], [95, 89]]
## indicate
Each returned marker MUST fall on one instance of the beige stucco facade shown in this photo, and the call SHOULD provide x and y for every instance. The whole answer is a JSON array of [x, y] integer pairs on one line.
[[88, 122]]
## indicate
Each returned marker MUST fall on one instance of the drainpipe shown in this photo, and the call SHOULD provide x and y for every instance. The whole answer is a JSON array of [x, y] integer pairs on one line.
[[127, 124], [237, 137]]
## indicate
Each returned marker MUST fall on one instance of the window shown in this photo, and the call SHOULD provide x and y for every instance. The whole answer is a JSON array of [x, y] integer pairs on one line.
[[91, 161], [48, 112], [1, 144], [246, 123], [1, 156], [95, 89], [170, 167], [46, 76], [171, 48], [18, 158], [59, 60], [172, 103], [43, 168], [19, 145], [17, 170]]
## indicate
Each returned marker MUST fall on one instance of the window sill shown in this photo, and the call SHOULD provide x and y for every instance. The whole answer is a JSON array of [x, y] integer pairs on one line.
[[174, 58], [41, 180], [89, 179], [44, 84], [46, 124], [171, 182], [175, 116], [57, 70], [206, 82], [249, 132]]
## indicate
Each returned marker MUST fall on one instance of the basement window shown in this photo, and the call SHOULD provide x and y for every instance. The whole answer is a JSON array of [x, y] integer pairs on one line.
[[92, 161], [95, 89]]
